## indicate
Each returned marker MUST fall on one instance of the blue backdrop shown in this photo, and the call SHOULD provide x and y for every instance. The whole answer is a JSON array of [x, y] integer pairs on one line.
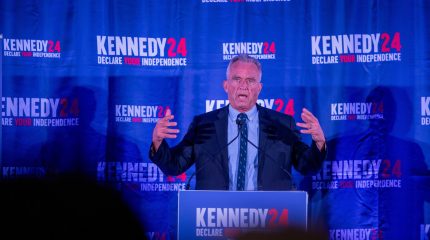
[[83, 83]]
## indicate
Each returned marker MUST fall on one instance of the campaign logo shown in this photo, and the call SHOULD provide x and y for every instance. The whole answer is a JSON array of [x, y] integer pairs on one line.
[[157, 235], [141, 176], [13, 172], [286, 106], [139, 113], [141, 51], [34, 48], [230, 222], [40, 112], [425, 232], [365, 174], [360, 48], [258, 50], [425, 110], [356, 233], [351, 111]]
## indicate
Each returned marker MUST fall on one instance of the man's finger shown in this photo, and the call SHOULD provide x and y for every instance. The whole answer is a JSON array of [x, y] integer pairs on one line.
[[168, 117], [306, 110], [309, 114], [168, 112], [303, 125], [165, 119], [170, 124], [307, 118], [171, 130], [306, 131], [166, 135], [167, 124], [168, 130]]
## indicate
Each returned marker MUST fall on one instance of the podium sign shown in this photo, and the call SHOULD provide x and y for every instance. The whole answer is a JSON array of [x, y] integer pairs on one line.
[[225, 214]]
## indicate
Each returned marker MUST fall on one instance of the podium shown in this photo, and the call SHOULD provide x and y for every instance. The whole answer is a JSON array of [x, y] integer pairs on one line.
[[226, 214]]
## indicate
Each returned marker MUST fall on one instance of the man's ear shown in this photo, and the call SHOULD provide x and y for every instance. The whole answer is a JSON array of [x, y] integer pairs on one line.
[[225, 86]]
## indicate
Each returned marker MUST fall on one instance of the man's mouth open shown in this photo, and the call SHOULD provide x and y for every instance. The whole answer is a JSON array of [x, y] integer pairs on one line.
[[242, 96]]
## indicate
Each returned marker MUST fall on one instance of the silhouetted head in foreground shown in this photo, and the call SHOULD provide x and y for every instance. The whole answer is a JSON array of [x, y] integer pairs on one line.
[[291, 233], [64, 208]]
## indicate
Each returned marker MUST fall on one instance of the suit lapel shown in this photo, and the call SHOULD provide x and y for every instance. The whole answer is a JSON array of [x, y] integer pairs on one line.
[[262, 122], [221, 132], [262, 140]]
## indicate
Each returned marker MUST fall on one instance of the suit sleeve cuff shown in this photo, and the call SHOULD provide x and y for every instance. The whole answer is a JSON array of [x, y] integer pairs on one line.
[[153, 155], [323, 152]]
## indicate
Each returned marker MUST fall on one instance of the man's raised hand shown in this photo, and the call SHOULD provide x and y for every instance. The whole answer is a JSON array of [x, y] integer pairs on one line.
[[312, 126], [163, 129]]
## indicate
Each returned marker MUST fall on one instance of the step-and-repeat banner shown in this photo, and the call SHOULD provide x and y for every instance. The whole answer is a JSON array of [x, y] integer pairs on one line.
[[84, 82]]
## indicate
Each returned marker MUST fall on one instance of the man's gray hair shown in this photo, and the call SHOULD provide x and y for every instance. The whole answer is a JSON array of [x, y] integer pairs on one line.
[[244, 58]]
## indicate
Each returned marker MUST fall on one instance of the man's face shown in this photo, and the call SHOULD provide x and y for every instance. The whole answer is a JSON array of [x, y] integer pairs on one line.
[[243, 85]]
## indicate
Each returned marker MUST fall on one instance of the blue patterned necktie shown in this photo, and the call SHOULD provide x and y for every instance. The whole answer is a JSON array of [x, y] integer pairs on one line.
[[243, 151]]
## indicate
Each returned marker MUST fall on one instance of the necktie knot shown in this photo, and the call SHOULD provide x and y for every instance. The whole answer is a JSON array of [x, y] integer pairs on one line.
[[241, 119], [242, 116]]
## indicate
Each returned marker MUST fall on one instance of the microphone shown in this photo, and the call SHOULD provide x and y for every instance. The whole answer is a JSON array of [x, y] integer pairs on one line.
[[271, 135], [239, 123], [294, 187]]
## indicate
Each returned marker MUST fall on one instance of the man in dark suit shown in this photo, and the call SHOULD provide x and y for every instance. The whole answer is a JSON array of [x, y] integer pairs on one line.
[[242, 146]]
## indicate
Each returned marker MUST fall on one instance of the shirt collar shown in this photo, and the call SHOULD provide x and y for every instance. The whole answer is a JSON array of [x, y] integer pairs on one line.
[[232, 113]]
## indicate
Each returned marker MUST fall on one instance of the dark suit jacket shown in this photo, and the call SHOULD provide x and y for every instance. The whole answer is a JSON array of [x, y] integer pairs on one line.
[[205, 144]]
